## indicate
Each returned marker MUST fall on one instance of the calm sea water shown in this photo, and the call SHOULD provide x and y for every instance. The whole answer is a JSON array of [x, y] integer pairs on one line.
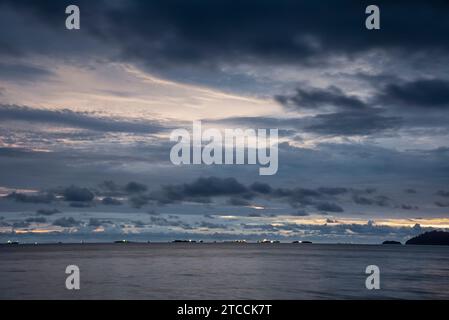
[[223, 271]]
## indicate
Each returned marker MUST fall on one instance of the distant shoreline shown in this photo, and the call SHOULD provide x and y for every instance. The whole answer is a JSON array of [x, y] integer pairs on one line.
[[195, 244]]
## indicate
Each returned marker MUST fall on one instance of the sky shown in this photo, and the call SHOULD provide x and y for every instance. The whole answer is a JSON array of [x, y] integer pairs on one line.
[[86, 116]]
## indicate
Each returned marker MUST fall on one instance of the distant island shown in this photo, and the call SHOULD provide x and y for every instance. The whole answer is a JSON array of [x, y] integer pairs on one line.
[[391, 242], [440, 238]]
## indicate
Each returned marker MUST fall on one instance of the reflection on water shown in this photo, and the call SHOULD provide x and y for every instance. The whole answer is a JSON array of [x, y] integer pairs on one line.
[[223, 271]]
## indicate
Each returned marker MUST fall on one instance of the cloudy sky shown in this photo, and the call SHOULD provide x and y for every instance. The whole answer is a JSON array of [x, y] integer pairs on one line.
[[86, 115]]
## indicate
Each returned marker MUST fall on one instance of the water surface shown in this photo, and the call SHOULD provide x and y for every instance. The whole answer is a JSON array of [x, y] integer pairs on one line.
[[223, 271]]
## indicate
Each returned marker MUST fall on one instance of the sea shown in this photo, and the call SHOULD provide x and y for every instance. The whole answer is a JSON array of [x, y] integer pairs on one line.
[[223, 271]]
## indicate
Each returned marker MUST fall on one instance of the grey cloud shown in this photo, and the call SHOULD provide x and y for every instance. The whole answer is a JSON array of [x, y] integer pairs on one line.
[[135, 187], [301, 213], [47, 212], [80, 204], [32, 198], [210, 225], [23, 72], [442, 204], [76, 119], [21, 224], [139, 224], [159, 221], [108, 201], [379, 200], [235, 201], [94, 222], [36, 220], [66, 222], [4, 224], [328, 207]]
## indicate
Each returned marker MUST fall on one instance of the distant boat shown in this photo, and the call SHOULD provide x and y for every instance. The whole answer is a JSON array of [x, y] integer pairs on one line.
[[12, 242], [305, 242], [121, 241], [184, 241]]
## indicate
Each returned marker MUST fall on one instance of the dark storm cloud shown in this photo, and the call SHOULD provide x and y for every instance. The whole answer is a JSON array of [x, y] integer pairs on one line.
[[200, 190], [75, 119], [409, 207], [109, 185], [66, 222], [259, 187], [422, 93], [297, 196], [78, 194], [367, 121], [174, 34], [314, 98], [32, 198], [380, 200], [353, 123], [135, 187], [443, 193], [351, 116], [23, 72], [139, 201], [213, 186], [332, 190], [205, 190]]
